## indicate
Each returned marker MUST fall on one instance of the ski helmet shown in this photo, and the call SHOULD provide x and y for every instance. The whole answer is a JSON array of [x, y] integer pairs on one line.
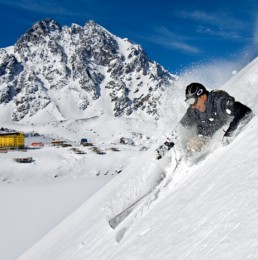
[[193, 91]]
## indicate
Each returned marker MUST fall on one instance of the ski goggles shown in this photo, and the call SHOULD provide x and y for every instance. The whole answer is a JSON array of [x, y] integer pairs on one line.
[[192, 101]]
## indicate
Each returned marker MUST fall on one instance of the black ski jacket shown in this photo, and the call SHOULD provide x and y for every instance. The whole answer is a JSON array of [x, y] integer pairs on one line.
[[221, 109]]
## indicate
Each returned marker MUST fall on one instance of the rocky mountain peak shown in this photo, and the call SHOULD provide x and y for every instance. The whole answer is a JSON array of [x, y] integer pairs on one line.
[[92, 24], [38, 31], [51, 64], [46, 26]]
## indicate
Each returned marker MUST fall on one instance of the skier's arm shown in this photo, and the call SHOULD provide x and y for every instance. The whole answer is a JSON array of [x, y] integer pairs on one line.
[[238, 111], [188, 120]]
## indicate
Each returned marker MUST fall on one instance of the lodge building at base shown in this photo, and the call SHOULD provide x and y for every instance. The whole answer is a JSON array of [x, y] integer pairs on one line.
[[12, 140]]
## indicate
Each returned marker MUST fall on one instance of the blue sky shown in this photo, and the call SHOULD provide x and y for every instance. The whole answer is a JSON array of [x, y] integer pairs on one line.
[[176, 34]]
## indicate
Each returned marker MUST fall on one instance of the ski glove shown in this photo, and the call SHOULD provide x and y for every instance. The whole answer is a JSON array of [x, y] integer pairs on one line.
[[196, 144], [226, 140]]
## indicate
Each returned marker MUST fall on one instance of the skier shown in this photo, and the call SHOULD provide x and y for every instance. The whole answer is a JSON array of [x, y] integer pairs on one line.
[[209, 112]]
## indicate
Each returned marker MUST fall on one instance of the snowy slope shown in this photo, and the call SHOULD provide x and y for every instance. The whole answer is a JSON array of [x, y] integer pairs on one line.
[[208, 211]]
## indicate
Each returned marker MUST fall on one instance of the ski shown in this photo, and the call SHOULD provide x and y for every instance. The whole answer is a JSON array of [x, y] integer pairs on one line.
[[141, 208], [116, 220], [163, 181]]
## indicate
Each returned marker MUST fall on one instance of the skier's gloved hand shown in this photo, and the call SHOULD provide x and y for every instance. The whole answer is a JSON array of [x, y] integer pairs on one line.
[[196, 144], [226, 140], [228, 133]]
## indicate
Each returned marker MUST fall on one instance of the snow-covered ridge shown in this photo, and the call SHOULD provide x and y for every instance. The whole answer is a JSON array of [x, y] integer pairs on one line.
[[52, 64]]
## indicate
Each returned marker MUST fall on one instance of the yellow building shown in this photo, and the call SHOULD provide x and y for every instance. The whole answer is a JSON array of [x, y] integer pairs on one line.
[[12, 140]]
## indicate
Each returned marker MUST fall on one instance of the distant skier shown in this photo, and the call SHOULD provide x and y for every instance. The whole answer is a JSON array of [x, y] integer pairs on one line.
[[210, 111]]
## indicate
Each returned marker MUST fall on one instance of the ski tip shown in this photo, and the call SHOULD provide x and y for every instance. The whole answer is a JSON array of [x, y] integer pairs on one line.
[[112, 224]]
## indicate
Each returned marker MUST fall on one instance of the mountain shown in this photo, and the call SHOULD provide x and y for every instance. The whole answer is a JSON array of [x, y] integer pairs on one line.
[[84, 68]]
